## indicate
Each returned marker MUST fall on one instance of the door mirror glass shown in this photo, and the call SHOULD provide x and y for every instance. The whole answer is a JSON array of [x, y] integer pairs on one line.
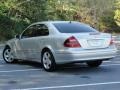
[[17, 36]]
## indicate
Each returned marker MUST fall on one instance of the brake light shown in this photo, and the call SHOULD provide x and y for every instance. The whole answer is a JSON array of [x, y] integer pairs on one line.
[[72, 42], [111, 41]]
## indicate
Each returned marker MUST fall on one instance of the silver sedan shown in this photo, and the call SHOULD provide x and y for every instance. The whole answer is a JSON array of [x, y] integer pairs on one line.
[[55, 42]]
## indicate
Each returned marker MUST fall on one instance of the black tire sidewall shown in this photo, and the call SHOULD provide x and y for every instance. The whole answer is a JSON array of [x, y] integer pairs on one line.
[[53, 64], [94, 63]]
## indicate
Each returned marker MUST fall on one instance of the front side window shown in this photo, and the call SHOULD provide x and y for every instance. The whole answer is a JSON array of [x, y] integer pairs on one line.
[[35, 31], [41, 30], [73, 28], [29, 32]]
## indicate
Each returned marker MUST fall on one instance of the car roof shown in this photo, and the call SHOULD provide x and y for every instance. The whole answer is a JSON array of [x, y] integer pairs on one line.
[[52, 22]]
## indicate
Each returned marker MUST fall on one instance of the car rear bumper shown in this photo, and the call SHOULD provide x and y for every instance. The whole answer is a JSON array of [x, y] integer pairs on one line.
[[87, 55]]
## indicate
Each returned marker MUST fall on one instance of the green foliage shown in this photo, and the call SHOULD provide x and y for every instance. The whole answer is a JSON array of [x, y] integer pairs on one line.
[[15, 15], [9, 27], [107, 23], [117, 13]]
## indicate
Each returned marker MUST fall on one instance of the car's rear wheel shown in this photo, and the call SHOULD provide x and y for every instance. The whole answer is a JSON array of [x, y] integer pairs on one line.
[[94, 63], [8, 55], [48, 61]]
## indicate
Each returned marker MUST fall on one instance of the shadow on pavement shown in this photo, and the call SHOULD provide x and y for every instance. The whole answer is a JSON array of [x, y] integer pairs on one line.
[[30, 63], [74, 68], [81, 68]]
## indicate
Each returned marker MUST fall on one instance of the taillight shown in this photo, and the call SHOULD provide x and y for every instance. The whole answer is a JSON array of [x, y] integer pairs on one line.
[[111, 41], [71, 42]]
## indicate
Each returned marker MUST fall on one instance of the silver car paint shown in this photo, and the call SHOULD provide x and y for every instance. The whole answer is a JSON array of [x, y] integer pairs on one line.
[[31, 48]]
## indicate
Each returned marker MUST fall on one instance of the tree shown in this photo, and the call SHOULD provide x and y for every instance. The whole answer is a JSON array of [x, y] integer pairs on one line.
[[117, 13], [15, 15]]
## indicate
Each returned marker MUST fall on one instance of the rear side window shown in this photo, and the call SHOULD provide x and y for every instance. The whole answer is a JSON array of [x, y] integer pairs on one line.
[[73, 28]]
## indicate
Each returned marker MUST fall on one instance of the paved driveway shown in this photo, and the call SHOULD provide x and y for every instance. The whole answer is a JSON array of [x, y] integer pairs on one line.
[[30, 76]]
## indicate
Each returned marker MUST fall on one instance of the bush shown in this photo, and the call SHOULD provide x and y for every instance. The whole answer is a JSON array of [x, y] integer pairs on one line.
[[9, 27]]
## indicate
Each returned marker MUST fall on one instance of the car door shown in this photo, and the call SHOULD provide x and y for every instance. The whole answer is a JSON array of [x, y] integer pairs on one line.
[[41, 34], [28, 42], [33, 40]]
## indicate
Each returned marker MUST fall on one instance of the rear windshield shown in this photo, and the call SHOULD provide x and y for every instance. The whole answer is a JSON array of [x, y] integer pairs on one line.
[[73, 28]]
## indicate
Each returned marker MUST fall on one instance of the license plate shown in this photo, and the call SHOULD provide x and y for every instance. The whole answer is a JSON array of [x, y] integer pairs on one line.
[[95, 42]]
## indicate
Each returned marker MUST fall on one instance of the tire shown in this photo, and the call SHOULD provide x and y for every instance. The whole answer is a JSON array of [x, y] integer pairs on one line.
[[8, 55], [48, 61], [94, 63]]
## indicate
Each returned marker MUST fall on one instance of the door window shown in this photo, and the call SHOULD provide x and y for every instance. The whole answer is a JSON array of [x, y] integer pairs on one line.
[[35, 31], [41, 30], [29, 32]]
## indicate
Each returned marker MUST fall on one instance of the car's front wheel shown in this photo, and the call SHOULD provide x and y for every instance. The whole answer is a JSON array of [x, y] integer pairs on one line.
[[48, 61], [94, 63], [8, 55]]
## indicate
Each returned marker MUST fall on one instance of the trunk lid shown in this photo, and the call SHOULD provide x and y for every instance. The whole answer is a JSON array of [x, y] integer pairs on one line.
[[93, 40]]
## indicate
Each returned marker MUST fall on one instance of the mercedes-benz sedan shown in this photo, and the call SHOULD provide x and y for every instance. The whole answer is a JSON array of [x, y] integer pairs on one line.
[[55, 42]]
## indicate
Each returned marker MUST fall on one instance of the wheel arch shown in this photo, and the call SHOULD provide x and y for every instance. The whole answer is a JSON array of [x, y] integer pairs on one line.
[[47, 48], [7, 46]]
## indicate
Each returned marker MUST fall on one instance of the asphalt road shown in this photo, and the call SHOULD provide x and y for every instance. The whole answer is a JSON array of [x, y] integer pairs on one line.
[[30, 76]]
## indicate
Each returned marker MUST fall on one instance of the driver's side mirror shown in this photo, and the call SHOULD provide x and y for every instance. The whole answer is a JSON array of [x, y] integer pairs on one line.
[[17, 36]]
